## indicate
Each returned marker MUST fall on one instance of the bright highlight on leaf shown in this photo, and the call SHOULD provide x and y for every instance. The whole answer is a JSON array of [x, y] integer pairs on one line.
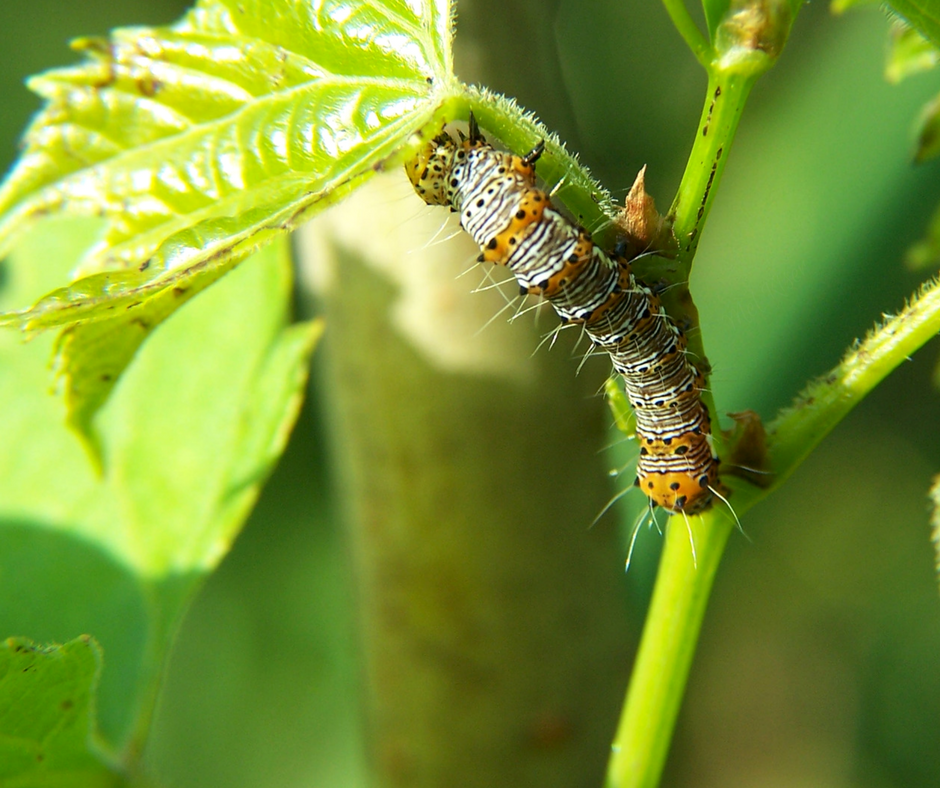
[[200, 143]]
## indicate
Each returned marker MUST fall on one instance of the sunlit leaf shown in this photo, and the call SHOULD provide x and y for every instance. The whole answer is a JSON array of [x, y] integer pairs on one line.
[[238, 105], [908, 53], [90, 356], [201, 142], [46, 721], [624, 417]]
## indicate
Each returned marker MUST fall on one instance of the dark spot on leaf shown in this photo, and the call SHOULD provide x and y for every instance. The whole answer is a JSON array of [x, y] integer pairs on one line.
[[148, 85]]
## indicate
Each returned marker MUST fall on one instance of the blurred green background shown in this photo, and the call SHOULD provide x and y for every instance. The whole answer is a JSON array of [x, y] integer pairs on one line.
[[820, 657]]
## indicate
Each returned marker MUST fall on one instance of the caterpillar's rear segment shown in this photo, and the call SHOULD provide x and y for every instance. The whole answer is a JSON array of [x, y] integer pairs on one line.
[[517, 226]]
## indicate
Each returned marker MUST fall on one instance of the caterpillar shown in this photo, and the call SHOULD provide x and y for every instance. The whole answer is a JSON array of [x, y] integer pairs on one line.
[[517, 225]]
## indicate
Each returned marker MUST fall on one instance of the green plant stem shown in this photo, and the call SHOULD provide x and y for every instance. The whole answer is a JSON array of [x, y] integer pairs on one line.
[[667, 647], [683, 585], [724, 102], [587, 199], [687, 28], [685, 572]]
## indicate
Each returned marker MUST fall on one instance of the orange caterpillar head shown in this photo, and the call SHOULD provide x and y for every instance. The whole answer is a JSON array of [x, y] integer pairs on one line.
[[679, 492], [680, 473], [430, 170]]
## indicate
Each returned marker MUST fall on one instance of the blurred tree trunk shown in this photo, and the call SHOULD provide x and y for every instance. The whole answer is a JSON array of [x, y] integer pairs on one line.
[[492, 620]]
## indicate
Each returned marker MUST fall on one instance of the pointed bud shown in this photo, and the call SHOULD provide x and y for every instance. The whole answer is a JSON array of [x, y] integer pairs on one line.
[[640, 223]]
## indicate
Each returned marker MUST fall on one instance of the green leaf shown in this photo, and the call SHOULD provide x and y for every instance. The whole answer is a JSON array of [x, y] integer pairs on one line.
[[624, 417], [90, 356], [201, 142], [922, 15], [908, 53], [189, 434], [928, 132], [46, 720], [236, 106]]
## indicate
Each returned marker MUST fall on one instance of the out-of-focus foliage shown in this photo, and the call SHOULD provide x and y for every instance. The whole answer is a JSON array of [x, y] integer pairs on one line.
[[908, 53], [935, 499], [926, 252], [928, 135], [911, 53], [922, 15]]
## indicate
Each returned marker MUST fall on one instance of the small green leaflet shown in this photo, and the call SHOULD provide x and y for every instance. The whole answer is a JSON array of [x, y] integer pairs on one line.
[[46, 725]]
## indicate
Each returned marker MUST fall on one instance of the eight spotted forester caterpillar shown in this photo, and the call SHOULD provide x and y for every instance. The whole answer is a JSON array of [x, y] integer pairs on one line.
[[495, 195]]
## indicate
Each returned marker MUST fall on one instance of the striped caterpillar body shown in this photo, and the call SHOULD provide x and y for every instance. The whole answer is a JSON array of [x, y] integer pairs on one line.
[[516, 225]]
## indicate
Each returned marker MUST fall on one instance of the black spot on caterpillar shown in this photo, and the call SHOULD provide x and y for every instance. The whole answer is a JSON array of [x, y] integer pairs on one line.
[[516, 225]]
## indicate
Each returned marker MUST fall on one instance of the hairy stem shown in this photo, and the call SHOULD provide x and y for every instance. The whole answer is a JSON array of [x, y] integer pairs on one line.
[[825, 402], [683, 583]]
